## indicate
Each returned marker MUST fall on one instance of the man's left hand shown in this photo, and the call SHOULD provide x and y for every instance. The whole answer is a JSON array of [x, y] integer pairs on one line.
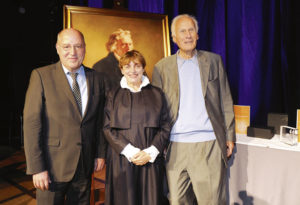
[[230, 146], [99, 164]]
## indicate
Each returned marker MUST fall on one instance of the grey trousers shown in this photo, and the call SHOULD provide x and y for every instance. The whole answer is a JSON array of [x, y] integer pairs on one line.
[[196, 171]]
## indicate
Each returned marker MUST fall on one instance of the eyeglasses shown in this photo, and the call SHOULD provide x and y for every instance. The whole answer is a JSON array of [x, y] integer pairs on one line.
[[68, 47]]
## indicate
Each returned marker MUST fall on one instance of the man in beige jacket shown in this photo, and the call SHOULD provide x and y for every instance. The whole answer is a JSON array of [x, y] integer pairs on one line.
[[201, 109]]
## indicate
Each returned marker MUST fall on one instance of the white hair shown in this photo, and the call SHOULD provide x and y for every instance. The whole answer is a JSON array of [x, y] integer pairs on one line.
[[174, 21], [114, 37]]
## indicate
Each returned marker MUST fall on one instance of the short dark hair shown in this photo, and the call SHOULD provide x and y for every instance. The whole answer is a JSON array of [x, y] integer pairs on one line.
[[131, 56]]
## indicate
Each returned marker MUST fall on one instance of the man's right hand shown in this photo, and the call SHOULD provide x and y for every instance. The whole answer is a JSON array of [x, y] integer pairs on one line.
[[41, 180]]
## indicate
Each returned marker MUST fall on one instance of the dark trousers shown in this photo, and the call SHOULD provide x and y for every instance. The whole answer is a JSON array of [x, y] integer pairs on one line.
[[76, 191]]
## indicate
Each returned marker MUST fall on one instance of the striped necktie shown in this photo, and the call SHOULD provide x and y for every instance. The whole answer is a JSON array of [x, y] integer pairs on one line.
[[76, 90]]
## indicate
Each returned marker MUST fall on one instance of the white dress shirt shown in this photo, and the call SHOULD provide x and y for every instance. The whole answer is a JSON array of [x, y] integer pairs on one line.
[[81, 79]]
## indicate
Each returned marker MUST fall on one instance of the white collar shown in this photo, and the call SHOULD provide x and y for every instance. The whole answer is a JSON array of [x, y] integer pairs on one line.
[[80, 70], [145, 82]]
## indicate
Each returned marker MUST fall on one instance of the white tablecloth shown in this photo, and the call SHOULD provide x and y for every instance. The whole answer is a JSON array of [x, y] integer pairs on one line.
[[264, 172], [269, 143]]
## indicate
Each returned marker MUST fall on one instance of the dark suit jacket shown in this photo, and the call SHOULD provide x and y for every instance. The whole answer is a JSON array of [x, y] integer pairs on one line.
[[55, 133], [215, 90]]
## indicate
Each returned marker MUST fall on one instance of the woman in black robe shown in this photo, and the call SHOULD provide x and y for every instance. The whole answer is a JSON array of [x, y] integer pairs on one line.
[[137, 127]]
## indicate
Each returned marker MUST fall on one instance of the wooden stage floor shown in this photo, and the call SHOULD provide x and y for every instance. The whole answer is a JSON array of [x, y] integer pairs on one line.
[[16, 187]]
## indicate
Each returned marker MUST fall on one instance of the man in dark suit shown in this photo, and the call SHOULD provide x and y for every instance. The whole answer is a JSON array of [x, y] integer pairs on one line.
[[63, 125], [202, 118]]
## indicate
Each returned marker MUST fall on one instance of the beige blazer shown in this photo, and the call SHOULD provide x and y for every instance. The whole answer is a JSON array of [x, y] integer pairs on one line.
[[215, 88], [55, 133]]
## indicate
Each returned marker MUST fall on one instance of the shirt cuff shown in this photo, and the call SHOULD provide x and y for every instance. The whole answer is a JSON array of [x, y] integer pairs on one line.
[[129, 151], [153, 152]]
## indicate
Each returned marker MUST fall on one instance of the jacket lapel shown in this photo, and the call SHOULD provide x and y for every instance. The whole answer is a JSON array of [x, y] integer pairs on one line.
[[65, 86], [89, 84], [173, 72], [204, 71]]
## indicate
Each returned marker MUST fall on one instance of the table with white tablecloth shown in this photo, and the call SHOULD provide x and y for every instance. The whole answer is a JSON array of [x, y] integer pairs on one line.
[[264, 172]]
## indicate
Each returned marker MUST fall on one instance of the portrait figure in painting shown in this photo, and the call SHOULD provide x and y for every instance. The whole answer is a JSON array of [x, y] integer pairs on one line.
[[119, 42]]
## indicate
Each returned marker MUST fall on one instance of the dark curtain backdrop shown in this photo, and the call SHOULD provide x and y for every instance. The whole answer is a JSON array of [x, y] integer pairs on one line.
[[257, 40]]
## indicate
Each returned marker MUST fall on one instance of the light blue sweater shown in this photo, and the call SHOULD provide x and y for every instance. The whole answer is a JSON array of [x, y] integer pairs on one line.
[[193, 123]]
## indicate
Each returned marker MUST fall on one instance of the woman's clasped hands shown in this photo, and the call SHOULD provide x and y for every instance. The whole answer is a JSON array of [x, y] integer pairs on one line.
[[140, 158]]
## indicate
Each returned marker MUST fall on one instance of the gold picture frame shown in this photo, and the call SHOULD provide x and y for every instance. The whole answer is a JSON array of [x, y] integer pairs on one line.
[[150, 32]]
